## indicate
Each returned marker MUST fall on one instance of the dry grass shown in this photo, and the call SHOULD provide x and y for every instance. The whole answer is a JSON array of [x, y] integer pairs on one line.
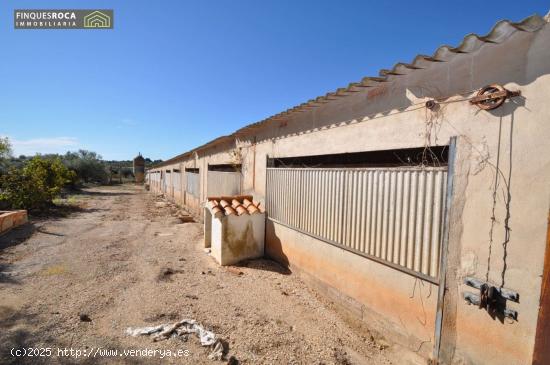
[[54, 270]]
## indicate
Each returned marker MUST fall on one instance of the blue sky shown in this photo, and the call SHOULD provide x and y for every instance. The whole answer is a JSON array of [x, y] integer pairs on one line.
[[175, 74]]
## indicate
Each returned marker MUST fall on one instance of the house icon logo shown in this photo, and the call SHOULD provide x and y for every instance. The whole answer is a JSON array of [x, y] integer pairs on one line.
[[97, 19]]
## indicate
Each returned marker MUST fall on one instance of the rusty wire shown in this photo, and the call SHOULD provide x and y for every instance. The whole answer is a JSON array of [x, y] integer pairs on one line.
[[499, 176], [494, 204], [507, 199]]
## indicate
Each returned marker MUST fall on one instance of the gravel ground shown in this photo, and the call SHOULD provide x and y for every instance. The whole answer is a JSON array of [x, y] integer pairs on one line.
[[123, 259]]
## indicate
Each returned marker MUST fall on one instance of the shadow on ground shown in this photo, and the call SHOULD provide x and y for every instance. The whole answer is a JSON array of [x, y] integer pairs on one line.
[[21, 331], [6, 276], [20, 234], [64, 211], [16, 235], [265, 265], [100, 193]]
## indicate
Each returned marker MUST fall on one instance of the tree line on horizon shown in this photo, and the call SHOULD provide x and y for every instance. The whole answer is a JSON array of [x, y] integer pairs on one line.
[[33, 182]]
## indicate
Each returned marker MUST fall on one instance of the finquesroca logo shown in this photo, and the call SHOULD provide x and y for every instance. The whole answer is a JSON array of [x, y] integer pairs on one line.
[[63, 18], [97, 19]]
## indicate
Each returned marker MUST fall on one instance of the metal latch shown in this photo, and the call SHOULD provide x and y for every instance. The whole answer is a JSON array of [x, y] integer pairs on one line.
[[491, 298]]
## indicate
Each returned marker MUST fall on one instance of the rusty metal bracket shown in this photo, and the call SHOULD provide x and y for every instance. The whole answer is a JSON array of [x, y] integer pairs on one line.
[[474, 299], [505, 293], [492, 96], [491, 298]]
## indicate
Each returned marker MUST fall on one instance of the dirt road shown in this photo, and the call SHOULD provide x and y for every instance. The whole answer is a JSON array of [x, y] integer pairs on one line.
[[122, 261]]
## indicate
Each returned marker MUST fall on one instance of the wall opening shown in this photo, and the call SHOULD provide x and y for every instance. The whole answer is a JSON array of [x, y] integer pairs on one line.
[[225, 167], [431, 156]]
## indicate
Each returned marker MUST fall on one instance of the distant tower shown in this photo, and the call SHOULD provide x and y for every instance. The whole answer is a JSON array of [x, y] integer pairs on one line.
[[139, 169]]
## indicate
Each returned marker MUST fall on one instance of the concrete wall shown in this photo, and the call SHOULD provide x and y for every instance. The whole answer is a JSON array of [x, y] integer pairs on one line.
[[224, 153], [12, 219], [236, 238], [392, 116], [398, 306]]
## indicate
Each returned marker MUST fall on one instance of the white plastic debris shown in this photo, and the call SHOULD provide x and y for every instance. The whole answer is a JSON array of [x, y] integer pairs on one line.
[[217, 351], [182, 328]]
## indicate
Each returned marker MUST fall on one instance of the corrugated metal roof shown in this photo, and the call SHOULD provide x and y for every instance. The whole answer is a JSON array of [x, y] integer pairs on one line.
[[471, 43]]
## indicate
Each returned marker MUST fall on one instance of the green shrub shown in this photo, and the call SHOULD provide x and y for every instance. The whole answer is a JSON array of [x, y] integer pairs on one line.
[[127, 172], [35, 185], [87, 165]]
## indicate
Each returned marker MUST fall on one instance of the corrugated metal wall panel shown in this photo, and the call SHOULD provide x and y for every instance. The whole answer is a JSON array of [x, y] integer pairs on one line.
[[391, 214], [176, 180], [223, 183], [192, 183]]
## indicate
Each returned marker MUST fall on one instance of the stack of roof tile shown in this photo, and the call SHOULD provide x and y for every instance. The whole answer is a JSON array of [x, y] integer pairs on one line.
[[233, 205]]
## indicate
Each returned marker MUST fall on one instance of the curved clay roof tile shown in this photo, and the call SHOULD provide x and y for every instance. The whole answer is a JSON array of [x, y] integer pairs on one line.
[[229, 210]]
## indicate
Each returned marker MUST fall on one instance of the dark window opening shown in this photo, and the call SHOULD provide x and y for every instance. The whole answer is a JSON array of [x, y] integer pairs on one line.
[[431, 156], [225, 168], [192, 170]]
